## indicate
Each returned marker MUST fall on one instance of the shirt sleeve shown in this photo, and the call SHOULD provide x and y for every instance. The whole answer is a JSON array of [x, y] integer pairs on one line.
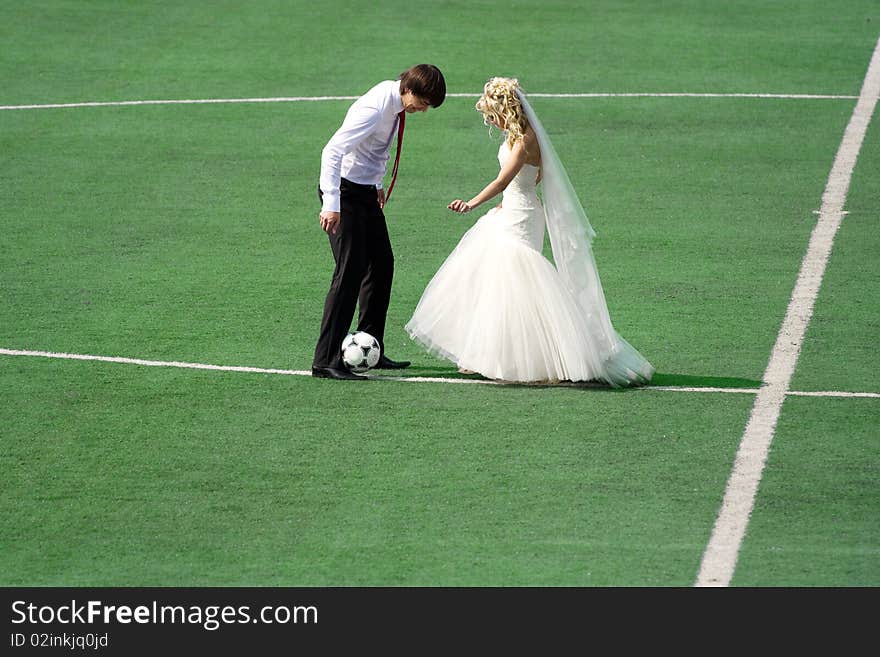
[[360, 121]]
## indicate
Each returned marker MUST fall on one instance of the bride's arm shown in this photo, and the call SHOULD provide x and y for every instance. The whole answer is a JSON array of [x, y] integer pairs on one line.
[[508, 172]]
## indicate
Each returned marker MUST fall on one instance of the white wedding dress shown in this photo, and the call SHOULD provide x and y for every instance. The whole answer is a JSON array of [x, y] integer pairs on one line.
[[497, 306]]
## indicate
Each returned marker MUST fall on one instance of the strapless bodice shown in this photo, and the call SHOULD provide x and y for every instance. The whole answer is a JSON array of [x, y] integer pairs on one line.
[[521, 193], [521, 215]]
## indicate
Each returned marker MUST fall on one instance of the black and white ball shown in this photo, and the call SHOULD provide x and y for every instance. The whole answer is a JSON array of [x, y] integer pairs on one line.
[[360, 351]]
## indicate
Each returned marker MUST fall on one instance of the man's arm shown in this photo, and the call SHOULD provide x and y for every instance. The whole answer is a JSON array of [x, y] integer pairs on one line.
[[359, 122]]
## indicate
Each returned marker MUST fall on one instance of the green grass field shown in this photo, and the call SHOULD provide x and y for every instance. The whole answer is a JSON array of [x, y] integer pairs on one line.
[[188, 232]]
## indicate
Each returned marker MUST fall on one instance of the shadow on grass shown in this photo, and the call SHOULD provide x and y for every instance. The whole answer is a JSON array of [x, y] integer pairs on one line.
[[659, 379]]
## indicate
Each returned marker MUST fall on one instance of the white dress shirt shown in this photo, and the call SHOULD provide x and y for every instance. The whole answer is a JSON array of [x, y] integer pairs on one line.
[[359, 151]]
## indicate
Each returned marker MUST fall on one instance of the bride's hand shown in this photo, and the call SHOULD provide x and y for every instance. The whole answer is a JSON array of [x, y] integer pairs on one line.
[[459, 206]]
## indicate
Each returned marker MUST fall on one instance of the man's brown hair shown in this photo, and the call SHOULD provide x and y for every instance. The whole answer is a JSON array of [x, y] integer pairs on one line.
[[425, 81]]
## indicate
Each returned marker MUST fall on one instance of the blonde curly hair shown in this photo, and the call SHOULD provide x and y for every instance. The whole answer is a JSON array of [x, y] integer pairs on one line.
[[500, 105]]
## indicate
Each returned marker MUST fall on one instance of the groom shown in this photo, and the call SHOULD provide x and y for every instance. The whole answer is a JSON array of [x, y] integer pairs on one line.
[[353, 164]]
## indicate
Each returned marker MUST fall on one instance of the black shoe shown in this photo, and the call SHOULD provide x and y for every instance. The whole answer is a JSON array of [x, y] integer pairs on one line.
[[388, 364], [333, 373]]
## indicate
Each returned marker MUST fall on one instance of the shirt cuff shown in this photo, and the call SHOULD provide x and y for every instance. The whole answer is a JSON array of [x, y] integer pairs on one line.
[[330, 202]]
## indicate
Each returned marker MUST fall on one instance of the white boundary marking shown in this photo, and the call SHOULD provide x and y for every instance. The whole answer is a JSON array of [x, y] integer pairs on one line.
[[149, 363], [302, 99], [688, 95], [833, 393], [719, 559], [405, 379]]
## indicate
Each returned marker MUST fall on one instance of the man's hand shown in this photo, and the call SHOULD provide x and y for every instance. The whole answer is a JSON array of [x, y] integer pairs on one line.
[[329, 221], [380, 194]]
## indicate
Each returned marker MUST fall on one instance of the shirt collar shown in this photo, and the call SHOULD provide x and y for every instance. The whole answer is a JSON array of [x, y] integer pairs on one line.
[[396, 99]]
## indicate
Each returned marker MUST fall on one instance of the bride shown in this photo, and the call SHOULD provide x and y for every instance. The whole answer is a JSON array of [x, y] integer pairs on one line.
[[497, 306]]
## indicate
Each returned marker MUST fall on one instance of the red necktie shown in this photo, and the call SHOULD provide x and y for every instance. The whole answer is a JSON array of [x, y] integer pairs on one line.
[[400, 121]]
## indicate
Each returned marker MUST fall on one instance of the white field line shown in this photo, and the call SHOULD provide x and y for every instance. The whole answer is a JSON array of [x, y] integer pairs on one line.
[[304, 99], [379, 377], [687, 95], [833, 393], [719, 559], [150, 363], [742, 391]]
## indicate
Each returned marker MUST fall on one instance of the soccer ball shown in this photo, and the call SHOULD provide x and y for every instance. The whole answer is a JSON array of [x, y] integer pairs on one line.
[[360, 351]]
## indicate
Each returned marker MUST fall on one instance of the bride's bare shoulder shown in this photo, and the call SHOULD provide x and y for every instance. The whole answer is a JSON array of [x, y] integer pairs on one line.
[[533, 150]]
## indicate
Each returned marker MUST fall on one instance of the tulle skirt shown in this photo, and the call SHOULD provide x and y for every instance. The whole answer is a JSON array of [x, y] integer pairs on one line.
[[497, 306]]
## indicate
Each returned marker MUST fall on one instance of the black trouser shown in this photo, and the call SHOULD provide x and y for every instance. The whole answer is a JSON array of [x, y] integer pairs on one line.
[[364, 269]]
